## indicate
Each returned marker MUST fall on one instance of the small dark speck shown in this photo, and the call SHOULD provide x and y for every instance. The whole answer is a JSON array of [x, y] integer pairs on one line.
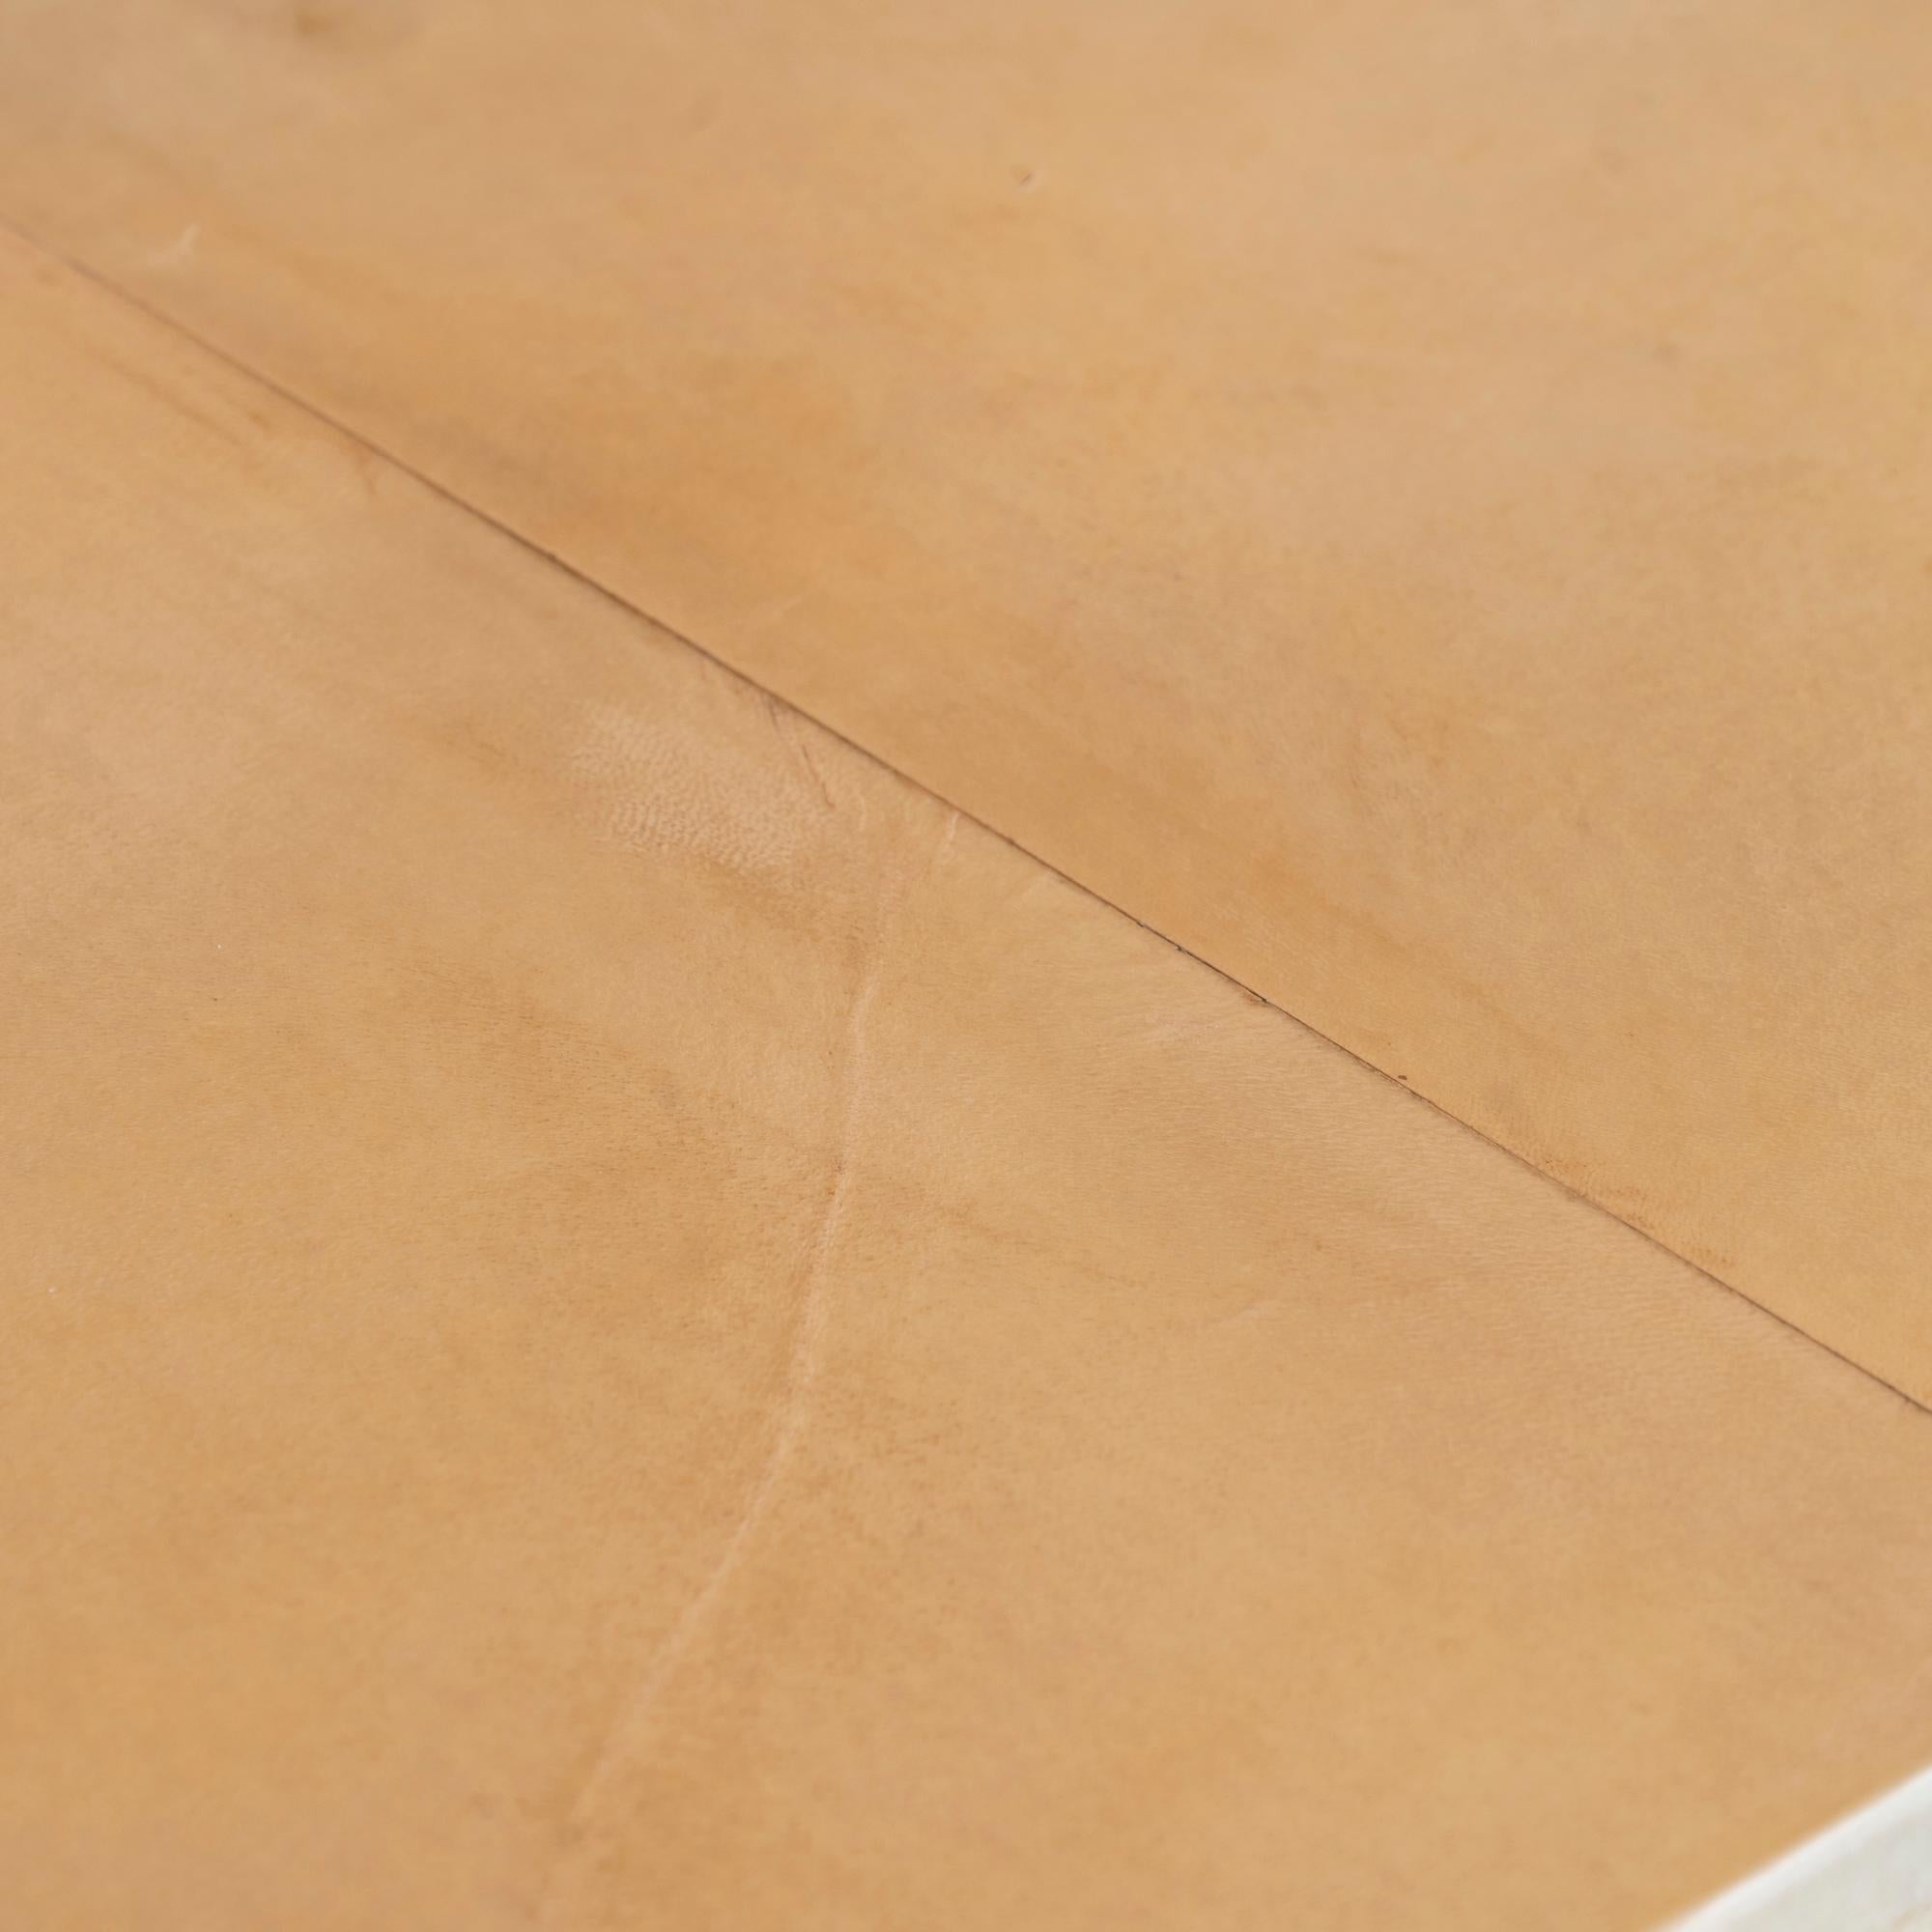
[[1026, 179]]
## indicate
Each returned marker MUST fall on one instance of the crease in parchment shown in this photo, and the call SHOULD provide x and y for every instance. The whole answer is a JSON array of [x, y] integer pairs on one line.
[[158, 311], [805, 1361]]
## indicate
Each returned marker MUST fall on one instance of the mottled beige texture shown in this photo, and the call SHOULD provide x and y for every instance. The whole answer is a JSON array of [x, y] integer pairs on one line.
[[1426, 505], [614, 1320]]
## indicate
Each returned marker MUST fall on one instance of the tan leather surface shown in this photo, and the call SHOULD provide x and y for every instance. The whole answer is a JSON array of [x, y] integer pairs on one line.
[[614, 1319], [1424, 505]]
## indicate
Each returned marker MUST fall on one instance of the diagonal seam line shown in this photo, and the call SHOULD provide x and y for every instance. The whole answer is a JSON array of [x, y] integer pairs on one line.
[[162, 318]]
